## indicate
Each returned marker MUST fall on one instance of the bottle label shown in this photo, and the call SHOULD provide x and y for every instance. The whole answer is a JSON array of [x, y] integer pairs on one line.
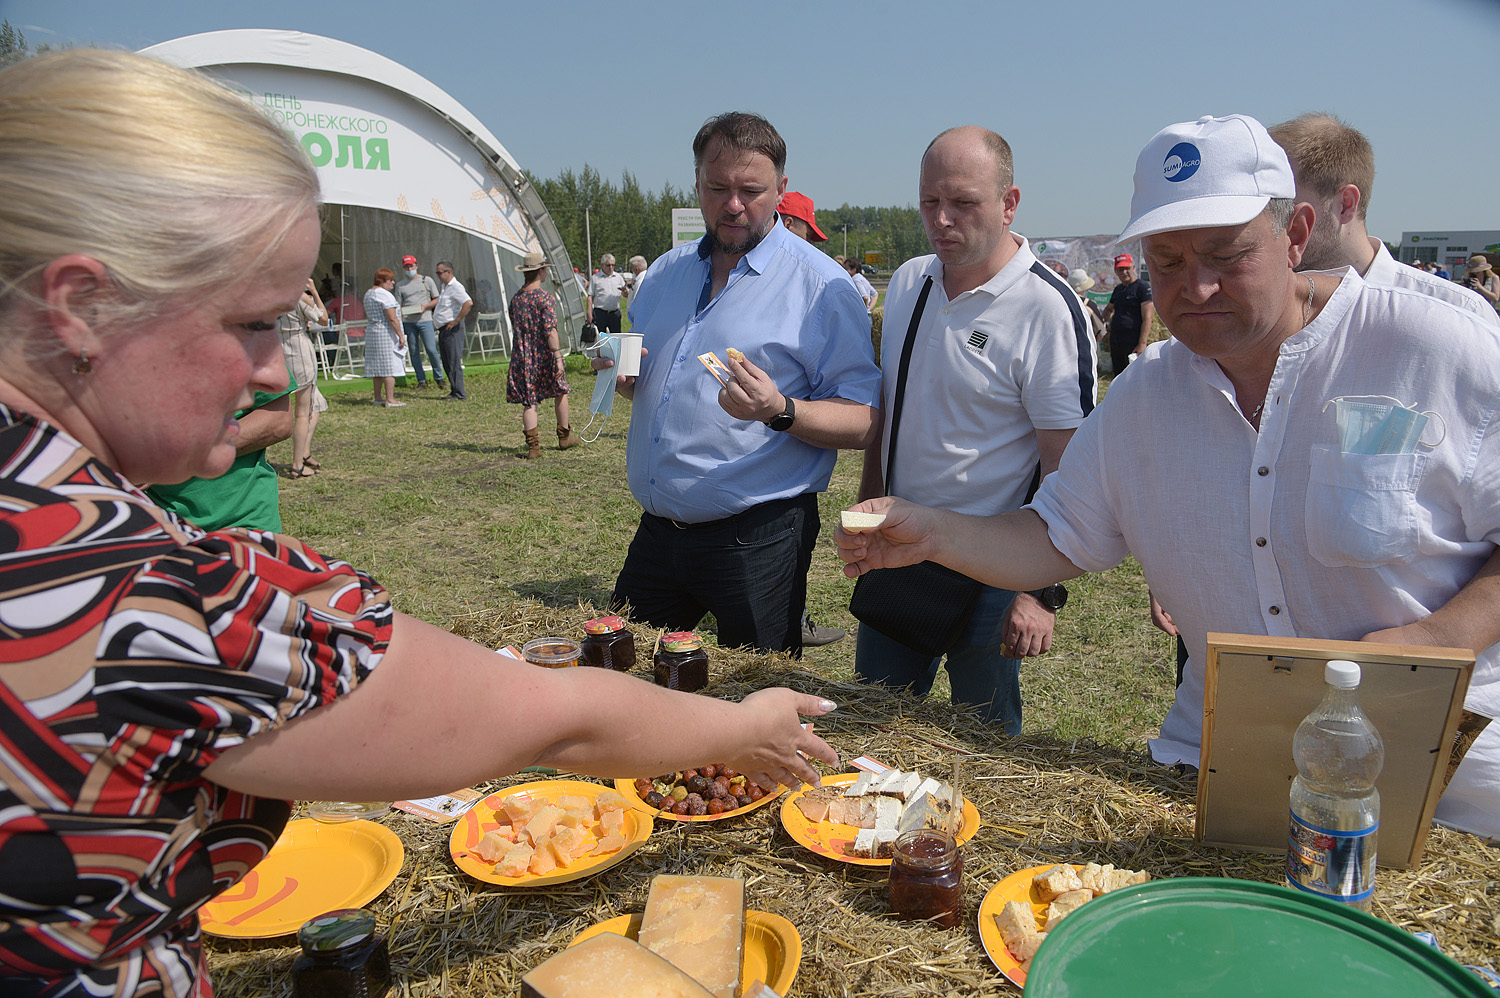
[[1336, 865]]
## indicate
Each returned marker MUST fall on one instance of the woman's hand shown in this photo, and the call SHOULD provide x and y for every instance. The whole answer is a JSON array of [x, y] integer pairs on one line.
[[781, 753]]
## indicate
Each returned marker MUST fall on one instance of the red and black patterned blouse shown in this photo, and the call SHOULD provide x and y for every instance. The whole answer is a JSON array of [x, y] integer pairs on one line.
[[134, 648]]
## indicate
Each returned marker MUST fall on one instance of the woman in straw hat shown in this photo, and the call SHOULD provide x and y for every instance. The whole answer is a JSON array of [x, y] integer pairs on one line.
[[167, 693], [536, 358], [1481, 277]]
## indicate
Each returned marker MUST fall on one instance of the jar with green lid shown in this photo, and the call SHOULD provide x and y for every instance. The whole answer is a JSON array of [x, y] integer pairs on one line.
[[681, 663], [609, 645], [342, 957]]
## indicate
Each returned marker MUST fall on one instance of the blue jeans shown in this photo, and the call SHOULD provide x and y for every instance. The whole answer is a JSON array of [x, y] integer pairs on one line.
[[749, 571], [419, 335], [978, 670]]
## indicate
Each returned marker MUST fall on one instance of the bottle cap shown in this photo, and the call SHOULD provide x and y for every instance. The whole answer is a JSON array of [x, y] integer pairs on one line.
[[604, 625], [336, 930], [1344, 675], [679, 641]]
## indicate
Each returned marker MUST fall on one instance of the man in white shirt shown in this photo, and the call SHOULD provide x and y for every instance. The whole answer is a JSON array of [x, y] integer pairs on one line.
[[861, 283], [1245, 509], [1000, 374], [453, 304], [1334, 166], [605, 292]]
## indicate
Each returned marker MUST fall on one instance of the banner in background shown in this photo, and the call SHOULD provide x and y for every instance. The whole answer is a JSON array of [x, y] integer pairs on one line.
[[377, 148]]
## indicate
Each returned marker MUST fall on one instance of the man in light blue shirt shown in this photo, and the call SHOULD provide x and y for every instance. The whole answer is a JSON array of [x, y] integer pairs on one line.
[[728, 475]]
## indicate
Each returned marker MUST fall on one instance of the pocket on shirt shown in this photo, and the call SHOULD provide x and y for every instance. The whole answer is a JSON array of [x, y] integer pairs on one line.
[[1361, 509]]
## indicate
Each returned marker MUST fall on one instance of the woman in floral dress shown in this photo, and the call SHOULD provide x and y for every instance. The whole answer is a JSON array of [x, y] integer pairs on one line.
[[536, 358]]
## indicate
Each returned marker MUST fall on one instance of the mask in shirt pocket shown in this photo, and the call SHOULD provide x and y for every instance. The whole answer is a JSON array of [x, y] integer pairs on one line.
[[1361, 509]]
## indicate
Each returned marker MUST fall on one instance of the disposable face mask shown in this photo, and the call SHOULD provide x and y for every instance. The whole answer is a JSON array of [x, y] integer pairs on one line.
[[1369, 427], [603, 401], [411, 271]]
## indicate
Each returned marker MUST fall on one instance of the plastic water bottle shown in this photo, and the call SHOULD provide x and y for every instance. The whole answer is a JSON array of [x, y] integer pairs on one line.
[[1335, 808]]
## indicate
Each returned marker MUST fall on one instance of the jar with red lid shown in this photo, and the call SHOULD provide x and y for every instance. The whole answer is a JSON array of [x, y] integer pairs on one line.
[[681, 663], [609, 644], [927, 877]]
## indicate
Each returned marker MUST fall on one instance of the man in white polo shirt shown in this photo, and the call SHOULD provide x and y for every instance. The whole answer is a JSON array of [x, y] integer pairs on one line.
[[1247, 508], [605, 291], [453, 304], [1335, 168], [1001, 373]]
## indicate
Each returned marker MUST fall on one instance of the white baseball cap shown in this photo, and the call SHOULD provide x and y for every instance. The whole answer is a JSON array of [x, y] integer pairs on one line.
[[1213, 171]]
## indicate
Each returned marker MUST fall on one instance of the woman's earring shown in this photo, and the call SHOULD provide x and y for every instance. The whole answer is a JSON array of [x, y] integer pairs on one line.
[[81, 363]]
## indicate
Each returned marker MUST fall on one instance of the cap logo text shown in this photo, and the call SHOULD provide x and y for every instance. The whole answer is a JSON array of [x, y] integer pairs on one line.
[[1182, 162]]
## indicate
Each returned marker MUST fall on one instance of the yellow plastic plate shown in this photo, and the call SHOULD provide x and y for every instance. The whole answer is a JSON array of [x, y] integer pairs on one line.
[[1016, 887], [315, 867], [480, 818], [773, 947], [835, 840], [627, 790]]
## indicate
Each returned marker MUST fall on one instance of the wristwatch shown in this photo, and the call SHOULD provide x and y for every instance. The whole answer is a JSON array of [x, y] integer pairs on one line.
[[786, 419], [1053, 597]]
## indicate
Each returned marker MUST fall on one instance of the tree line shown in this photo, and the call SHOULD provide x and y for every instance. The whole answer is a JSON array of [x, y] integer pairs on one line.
[[626, 219]]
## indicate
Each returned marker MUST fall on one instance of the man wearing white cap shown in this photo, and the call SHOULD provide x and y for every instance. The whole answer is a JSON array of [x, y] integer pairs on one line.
[[1276, 522]]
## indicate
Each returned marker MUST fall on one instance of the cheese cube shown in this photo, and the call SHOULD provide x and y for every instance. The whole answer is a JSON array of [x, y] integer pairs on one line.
[[698, 924], [516, 862], [609, 964], [539, 828], [861, 785]]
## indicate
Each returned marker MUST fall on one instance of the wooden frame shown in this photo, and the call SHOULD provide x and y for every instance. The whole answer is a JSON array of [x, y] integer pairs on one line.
[[1258, 689]]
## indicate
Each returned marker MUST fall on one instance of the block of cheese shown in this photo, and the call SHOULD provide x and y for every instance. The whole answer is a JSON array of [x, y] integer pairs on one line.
[[1017, 924], [698, 924], [861, 785], [929, 809], [887, 812], [1056, 881], [1065, 904], [873, 843], [612, 965]]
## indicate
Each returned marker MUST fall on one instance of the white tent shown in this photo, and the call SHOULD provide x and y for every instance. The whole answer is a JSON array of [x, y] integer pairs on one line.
[[404, 167]]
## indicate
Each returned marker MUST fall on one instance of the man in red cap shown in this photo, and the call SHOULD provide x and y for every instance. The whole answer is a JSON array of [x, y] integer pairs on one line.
[[417, 295], [797, 214], [1128, 315]]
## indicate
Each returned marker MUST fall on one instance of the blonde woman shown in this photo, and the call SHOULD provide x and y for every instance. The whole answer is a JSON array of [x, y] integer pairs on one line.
[[167, 692]]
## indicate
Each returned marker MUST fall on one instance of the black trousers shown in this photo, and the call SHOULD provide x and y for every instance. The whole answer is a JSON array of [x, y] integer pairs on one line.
[[748, 570]]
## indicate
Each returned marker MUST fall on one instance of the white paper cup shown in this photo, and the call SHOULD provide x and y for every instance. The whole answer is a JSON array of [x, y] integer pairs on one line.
[[628, 354]]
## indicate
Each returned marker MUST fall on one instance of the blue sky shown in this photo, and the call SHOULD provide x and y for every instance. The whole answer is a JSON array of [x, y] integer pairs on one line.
[[858, 89]]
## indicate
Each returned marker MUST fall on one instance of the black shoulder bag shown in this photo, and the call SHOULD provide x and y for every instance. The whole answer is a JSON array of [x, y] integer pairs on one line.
[[926, 606]]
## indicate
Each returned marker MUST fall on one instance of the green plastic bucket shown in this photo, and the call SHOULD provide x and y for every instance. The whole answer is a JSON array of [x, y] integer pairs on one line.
[[1212, 936]]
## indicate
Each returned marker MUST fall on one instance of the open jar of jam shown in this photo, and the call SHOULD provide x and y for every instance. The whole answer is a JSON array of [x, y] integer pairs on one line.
[[552, 653], [927, 877], [609, 644], [342, 957], [681, 663]]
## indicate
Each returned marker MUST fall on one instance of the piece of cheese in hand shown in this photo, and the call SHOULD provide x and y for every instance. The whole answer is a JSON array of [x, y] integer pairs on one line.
[[853, 521], [609, 964], [734, 354], [698, 925]]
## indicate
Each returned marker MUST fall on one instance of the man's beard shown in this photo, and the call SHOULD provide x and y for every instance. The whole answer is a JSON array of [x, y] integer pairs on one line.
[[738, 249]]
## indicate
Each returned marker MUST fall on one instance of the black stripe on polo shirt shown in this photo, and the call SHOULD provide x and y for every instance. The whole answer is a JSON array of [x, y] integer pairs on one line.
[[1081, 335]]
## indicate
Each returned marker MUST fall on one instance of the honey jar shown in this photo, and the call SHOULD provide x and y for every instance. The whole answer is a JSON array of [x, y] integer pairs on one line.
[[681, 663], [609, 645]]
